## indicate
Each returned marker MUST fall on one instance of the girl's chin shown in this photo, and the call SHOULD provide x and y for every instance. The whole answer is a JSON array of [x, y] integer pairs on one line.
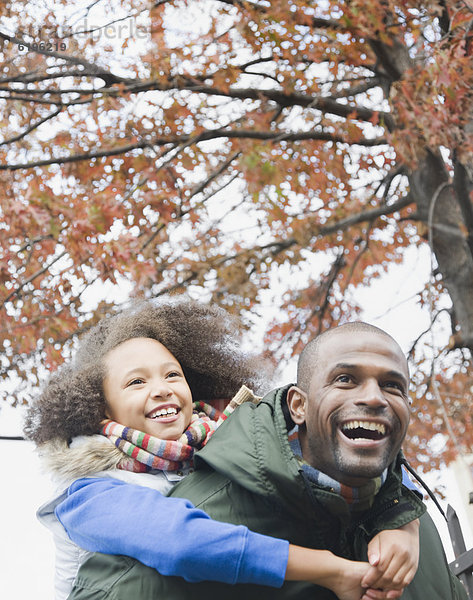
[[165, 433]]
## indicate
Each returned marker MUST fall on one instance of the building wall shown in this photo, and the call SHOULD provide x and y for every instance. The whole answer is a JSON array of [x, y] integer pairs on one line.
[[462, 469]]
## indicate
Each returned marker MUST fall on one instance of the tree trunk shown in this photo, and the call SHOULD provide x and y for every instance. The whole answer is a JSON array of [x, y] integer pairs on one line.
[[429, 182]]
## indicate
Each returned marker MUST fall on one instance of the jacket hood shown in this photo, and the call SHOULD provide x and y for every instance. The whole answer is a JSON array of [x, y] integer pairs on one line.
[[84, 456], [267, 468]]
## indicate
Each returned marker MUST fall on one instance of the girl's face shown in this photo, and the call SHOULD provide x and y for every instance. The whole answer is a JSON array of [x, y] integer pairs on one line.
[[145, 389]]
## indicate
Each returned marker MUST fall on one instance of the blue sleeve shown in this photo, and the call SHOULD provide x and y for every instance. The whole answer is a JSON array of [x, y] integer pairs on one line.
[[409, 484], [168, 534]]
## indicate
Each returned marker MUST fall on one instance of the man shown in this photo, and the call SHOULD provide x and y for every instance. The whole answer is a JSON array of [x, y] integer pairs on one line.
[[333, 488]]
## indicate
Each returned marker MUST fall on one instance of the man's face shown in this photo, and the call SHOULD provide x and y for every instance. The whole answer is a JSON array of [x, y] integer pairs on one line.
[[355, 413]]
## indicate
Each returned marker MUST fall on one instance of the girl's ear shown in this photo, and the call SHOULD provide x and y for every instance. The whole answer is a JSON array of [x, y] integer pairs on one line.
[[296, 403], [107, 411]]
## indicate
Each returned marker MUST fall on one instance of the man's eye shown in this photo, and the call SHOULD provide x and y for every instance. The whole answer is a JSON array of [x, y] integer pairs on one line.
[[344, 379], [395, 385]]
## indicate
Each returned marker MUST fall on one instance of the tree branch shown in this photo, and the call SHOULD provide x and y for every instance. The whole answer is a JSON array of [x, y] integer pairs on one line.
[[213, 134], [326, 105], [36, 77], [368, 215], [97, 71], [31, 128], [33, 277], [77, 157], [461, 185], [201, 186]]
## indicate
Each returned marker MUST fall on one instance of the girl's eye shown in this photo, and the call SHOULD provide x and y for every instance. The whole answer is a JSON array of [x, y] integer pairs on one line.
[[136, 381], [174, 374]]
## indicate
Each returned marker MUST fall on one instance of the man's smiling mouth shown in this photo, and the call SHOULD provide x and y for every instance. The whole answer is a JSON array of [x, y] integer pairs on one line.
[[365, 430]]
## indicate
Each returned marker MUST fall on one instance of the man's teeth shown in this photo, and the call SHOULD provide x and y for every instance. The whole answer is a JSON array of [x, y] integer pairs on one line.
[[164, 412], [368, 425]]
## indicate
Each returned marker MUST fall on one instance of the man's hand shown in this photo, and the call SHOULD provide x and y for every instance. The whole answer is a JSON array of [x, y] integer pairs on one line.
[[394, 557]]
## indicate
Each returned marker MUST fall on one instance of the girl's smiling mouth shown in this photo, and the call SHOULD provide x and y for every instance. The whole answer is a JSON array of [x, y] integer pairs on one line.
[[165, 413]]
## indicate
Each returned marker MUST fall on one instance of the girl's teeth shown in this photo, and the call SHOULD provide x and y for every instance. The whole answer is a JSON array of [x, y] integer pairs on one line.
[[165, 412]]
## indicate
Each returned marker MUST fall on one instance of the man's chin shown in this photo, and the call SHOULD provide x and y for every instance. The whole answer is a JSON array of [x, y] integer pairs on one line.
[[355, 474]]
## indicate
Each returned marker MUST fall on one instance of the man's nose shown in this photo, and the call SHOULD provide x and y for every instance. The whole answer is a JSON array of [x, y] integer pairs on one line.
[[371, 394]]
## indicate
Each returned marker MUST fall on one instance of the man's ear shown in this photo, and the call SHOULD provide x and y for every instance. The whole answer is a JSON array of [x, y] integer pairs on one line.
[[296, 403]]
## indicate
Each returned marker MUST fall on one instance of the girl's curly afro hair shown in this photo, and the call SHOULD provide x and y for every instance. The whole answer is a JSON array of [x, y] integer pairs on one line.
[[203, 338]]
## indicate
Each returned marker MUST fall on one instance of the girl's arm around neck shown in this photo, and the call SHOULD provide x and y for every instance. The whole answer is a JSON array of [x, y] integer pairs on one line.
[[168, 534]]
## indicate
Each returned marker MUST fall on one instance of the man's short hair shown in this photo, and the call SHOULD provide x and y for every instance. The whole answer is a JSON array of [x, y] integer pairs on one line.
[[309, 355]]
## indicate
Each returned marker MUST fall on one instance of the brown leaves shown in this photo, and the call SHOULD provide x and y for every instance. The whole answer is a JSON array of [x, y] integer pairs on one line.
[[444, 412], [251, 150], [433, 100]]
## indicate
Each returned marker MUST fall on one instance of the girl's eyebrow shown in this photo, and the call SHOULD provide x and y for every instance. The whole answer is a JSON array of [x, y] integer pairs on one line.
[[125, 376], [141, 368], [171, 364]]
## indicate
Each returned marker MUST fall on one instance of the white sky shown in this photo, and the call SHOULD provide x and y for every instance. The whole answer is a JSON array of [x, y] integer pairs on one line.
[[26, 549]]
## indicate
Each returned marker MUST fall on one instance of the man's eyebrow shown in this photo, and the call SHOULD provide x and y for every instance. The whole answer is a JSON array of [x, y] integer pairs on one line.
[[347, 366], [342, 367]]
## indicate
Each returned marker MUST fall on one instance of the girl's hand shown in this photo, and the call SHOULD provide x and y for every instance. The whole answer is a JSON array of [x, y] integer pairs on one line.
[[343, 577]]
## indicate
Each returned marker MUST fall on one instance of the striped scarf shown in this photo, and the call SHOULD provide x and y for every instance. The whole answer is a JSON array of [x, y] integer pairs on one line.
[[143, 452], [358, 498]]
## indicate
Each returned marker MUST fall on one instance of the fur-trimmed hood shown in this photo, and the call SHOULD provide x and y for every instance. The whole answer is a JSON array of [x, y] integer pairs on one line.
[[84, 456]]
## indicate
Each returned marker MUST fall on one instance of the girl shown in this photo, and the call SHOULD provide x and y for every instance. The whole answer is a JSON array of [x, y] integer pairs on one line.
[[131, 407]]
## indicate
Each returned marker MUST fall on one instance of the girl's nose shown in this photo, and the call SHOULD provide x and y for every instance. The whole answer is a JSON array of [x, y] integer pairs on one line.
[[160, 389]]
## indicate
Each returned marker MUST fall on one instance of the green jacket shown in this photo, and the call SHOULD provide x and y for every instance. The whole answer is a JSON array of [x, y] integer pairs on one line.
[[249, 475]]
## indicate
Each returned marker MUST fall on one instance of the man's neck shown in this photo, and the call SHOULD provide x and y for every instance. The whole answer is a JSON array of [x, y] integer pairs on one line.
[[358, 497]]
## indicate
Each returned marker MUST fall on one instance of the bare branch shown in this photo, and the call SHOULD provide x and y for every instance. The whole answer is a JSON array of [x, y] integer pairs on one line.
[[410, 354], [77, 157], [212, 134], [32, 100], [462, 184], [368, 215], [362, 88], [29, 243], [326, 105], [201, 187], [36, 77], [31, 128], [33, 277], [108, 77]]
